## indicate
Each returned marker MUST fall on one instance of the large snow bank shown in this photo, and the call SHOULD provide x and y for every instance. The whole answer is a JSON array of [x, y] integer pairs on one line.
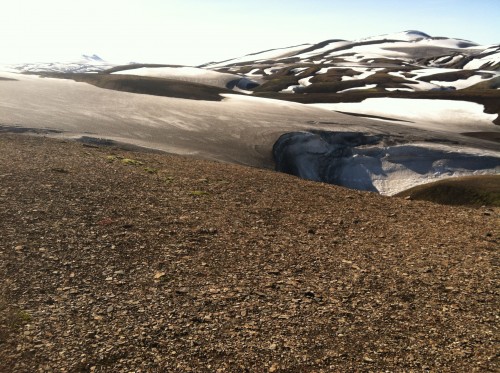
[[445, 115]]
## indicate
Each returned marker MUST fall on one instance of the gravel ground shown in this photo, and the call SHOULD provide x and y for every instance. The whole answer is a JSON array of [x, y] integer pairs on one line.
[[112, 261]]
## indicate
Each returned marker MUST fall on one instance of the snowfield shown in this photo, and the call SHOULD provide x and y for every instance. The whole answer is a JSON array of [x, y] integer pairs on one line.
[[443, 115], [368, 86]]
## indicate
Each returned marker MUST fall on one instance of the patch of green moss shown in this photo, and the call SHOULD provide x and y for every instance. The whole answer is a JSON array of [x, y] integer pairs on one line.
[[11, 320], [150, 170], [132, 162]]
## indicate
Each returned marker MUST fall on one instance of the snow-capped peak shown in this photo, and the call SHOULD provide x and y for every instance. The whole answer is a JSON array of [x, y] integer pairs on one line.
[[85, 63], [409, 35], [93, 57]]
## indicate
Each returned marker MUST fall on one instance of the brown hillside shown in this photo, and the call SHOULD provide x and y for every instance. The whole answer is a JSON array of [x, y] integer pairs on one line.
[[483, 190], [113, 261]]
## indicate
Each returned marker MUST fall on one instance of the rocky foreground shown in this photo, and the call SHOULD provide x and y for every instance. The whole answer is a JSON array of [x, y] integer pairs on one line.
[[112, 261]]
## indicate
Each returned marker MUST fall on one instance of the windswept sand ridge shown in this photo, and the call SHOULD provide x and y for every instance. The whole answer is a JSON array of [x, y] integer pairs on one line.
[[177, 264]]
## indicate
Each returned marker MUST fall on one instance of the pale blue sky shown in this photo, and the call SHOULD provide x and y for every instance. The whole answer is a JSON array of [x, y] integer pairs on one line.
[[196, 31]]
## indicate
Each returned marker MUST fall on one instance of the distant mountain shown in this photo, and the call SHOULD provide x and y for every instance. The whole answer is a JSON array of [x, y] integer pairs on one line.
[[84, 64], [410, 47]]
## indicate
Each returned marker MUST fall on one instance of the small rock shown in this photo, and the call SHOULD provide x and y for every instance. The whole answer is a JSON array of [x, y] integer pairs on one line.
[[110, 309], [309, 294], [159, 275]]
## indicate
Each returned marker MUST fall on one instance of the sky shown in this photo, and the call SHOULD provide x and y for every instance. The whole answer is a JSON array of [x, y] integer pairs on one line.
[[193, 32]]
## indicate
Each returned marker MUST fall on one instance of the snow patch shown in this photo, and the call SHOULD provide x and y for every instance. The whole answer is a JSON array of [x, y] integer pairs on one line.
[[271, 70], [400, 89], [368, 86], [461, 83], [297, 71], [431, 71], [262, 56], [253, 73], [306, 81], [319, 51], [479, 63], [410, 35], [361, 76], [443, 115], [290, 89], [324, 70]]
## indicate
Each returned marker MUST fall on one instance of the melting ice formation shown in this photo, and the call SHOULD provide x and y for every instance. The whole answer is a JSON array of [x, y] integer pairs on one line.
[[375, 163]]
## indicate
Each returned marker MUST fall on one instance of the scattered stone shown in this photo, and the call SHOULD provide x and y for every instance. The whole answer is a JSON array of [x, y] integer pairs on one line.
[[268, 296], [309, 294], [159, 275]]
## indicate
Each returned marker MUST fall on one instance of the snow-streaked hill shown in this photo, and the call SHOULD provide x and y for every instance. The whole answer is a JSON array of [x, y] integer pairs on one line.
[[411, 47], [403, 61]]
